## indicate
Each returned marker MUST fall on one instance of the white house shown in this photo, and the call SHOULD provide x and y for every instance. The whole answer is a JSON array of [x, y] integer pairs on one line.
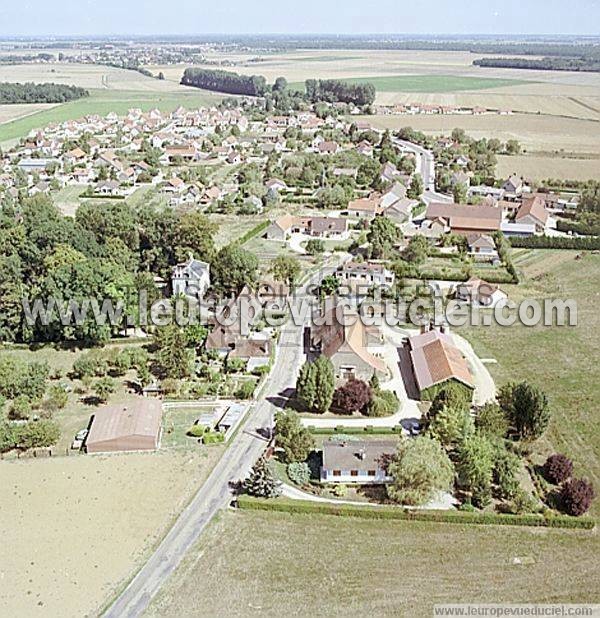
[[357, 461], [191, 278]]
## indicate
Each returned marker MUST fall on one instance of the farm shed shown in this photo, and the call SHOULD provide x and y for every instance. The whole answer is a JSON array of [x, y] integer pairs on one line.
[[134, 426]]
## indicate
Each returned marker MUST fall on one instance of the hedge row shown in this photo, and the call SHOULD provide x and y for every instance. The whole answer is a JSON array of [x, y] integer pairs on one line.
[[283, 505], [490, 277], [332, 431], [579, 227], [589, 243], [255, 231]]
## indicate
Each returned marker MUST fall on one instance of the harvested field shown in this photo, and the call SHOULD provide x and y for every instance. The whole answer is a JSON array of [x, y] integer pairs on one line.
[[272, 564], [534, 132], [84, 75], [537, 168], [75, 528], [9, 113]]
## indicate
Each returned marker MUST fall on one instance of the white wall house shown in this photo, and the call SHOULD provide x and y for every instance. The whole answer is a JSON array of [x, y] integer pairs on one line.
[[356, 461], [191, 278]]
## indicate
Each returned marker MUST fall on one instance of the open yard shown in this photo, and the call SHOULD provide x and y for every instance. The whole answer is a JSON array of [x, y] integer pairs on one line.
[[561, 360], [74, 529], [273, 564]]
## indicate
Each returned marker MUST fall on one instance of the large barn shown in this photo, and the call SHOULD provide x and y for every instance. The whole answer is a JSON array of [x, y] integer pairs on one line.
[[134, 426]]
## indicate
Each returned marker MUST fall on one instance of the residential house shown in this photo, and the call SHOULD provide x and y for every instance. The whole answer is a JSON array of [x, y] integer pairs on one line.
[[482, 247], [365, 275], [345, 341], [357, 461], [465, 219], [436, 362], [319, 227], [364, 208], [533, 211], [190, 278], [480, 293]]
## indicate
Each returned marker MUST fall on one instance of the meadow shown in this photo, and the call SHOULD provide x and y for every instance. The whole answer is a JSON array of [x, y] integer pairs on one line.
[[274, 564], [560, 360]]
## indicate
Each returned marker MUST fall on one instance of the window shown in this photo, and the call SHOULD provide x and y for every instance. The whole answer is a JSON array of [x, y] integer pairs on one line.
[[353, 472], [337, 473], [371, 473]]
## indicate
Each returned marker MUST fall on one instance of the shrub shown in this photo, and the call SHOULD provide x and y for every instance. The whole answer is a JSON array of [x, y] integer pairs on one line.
[[506, 470], [353, 396], [20, 408], [339, 490], [491, 421], [383, 403], [521, 503], [197, 431], [577, 496], [245, 390], [213, 437], [57, 397], [36, 434], [298, 472], [92, 364], [558, 468]]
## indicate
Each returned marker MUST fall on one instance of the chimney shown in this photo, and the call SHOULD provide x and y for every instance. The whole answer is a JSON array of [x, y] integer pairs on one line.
[[361, 454]]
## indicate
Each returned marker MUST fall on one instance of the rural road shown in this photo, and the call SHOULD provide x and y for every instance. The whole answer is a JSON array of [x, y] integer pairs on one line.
[[244, 449], [426, 167]]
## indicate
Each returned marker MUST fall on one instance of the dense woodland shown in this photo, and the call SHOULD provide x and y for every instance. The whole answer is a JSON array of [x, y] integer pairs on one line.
[[225, 81], [338, 91], [39, 93], [543, 64]]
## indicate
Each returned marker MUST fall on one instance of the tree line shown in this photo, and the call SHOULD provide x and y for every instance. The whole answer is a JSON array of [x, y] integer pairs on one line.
[[39, 93], [225, 81], [339, 91], [557, 63]]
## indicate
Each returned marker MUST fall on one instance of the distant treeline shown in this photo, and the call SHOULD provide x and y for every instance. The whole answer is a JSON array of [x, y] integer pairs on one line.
[[225, 81], [334, 90], [544, 64], [20, 59], [39, 93], [329, 90]]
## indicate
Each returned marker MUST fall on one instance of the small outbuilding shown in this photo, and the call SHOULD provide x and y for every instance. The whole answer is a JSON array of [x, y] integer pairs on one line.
[[134, 426]]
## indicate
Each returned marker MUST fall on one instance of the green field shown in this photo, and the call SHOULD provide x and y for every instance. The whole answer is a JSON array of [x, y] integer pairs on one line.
[[428, 83], [563, 361], [103, 102], [272, 564]]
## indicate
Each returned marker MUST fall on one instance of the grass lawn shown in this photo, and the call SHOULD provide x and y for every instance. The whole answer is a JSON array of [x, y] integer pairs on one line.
[[428, 83], [563, 361], [271, 564], [103, 102], [67, 199], [177, 422]]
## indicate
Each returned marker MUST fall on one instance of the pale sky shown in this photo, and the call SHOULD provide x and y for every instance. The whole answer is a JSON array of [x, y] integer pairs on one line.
[[105, 17]]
